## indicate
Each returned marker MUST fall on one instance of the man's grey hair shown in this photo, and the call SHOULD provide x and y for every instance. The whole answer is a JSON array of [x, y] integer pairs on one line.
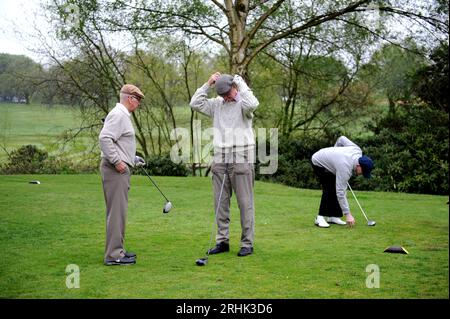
[[123, 97]]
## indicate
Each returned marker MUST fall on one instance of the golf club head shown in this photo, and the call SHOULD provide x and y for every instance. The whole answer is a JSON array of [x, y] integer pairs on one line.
[[371, 223], [201, 261], [167, 207]]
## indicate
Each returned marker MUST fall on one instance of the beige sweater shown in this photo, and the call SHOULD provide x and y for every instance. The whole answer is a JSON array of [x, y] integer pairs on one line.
[[232, 120], [117, 138]]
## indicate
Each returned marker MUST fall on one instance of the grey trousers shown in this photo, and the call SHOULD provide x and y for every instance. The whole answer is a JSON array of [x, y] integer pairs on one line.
[[115, 189], [240, 179]]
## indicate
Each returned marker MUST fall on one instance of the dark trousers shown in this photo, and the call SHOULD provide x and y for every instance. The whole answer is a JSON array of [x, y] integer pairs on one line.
[[329, 205]]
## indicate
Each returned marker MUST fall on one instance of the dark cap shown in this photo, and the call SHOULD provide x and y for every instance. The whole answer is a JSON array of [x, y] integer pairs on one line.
[[131, 89], [224, 84], [367, 165]]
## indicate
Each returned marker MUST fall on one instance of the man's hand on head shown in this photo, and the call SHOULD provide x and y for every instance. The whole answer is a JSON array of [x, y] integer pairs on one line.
[[212, 80]]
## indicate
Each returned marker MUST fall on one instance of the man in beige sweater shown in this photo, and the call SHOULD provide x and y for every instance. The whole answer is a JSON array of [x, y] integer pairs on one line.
[[118, 152], [234, 154]]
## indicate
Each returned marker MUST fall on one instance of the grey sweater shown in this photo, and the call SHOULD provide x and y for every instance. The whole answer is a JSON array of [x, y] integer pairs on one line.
[[232, 120], [117, 138], [340, 160]]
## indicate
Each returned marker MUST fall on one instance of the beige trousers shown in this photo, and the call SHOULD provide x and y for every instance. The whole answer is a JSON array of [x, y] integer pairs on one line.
[[240, 178], [115, 189]]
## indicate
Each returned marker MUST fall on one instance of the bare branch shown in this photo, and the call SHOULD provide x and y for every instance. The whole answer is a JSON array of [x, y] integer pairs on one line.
[[261, 20], [315, 21]]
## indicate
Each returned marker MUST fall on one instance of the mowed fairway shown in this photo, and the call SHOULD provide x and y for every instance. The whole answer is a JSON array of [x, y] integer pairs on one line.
[[44, 228], [45, 127], [38, 125]]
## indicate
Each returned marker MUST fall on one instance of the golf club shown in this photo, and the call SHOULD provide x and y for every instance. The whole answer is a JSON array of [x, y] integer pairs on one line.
[[369, 222], [204, 261], [168, 204]]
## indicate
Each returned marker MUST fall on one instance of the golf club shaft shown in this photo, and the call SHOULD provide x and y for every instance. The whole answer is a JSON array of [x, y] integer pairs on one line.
[[217, 209], [354, 196], [154, 183]]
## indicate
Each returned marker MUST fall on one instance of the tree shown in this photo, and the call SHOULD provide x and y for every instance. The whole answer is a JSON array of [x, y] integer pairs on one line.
[[431, 81], [240, 30], [91, 72], [17, 74], [391, 71], [245, 28], [317, 92]]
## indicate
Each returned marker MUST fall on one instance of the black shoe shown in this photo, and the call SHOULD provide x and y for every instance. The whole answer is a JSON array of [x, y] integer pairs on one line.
[[129, 254], [121, 261], [220, 248], [245, 251]]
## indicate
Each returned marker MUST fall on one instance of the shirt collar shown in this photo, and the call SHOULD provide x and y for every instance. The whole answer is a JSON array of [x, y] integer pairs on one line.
[[123, 109], [236, 99]]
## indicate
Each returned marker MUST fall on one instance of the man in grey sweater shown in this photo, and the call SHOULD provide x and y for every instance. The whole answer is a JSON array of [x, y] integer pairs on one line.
[[334, 166], [118, 152], [234, 154]]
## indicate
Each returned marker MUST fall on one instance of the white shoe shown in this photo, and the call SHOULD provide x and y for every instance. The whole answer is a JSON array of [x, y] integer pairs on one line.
[[321, 222], [336, 220]]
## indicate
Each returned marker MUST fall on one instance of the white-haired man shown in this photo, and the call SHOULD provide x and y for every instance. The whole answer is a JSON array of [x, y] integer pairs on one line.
[[118, 152]]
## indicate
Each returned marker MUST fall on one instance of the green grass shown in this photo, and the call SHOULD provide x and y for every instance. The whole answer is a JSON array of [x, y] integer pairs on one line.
[[45, 227], [38, 125]]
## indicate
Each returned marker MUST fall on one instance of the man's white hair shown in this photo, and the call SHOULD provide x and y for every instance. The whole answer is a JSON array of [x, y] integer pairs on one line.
[[123, 97]]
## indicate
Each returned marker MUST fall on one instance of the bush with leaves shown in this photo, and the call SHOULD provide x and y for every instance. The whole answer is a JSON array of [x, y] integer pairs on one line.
[[410, 152], [163, 166], [29, 159], [294, 162]]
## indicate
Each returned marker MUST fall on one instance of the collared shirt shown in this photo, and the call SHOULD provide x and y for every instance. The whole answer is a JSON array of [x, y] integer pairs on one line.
[[236, 99], [123, 108]]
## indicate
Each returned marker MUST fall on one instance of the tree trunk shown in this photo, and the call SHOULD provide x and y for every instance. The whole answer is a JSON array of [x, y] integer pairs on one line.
[[237, 20], [392, 106]]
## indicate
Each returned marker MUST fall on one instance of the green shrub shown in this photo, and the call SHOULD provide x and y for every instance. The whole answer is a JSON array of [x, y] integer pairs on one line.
[[29, 159], [163, 166], [411, 152], [294, 162]]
